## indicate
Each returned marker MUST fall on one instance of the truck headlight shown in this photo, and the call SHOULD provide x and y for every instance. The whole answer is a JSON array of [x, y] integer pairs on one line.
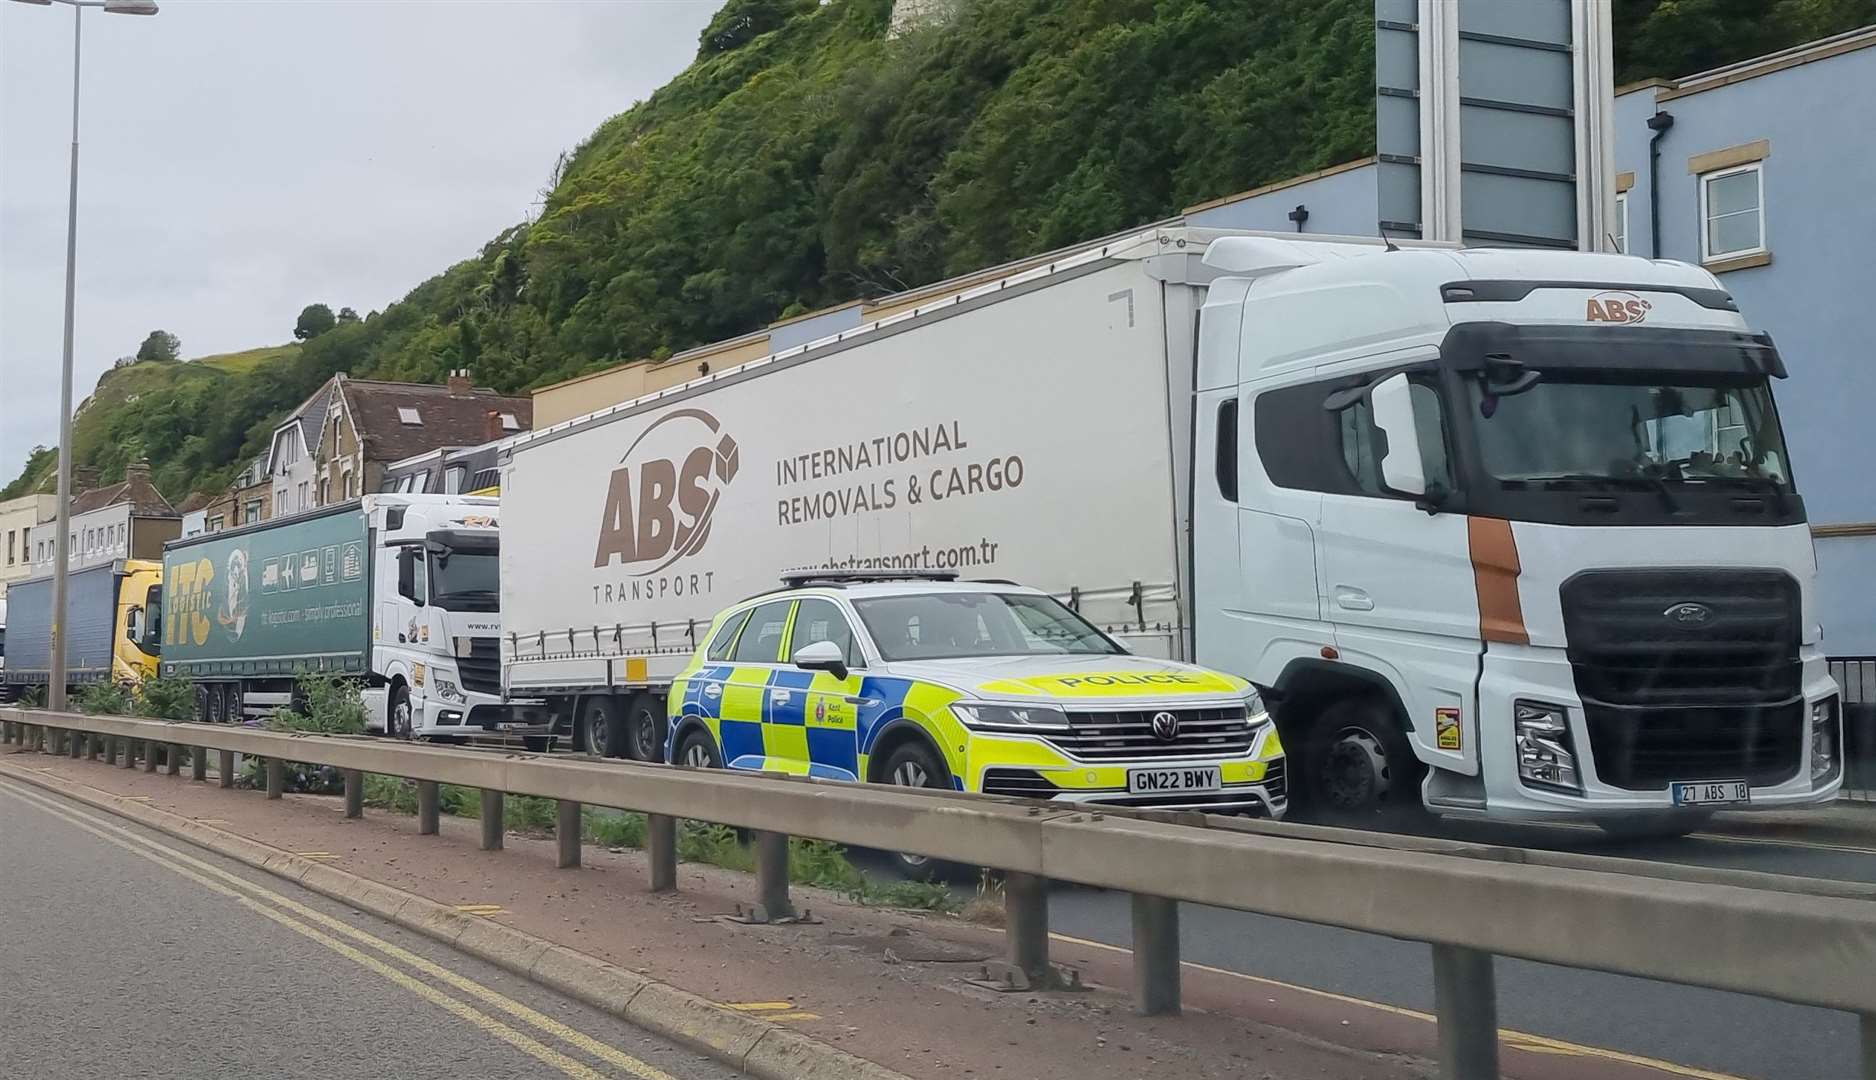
[[1825, 733], [1546, 754], [1044, 717], [447, 690]]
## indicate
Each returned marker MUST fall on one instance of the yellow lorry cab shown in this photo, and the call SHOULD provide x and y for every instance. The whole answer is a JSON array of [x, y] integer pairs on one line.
[[925, 681]]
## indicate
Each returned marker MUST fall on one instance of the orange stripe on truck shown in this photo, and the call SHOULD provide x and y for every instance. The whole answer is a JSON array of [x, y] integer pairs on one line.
[[1495, 572]]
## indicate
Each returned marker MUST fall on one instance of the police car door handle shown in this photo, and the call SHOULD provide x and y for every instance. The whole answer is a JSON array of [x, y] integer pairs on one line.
[[863, 702], [713, 690]]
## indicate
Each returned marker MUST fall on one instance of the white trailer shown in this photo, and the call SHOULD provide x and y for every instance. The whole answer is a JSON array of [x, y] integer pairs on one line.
[[1265, 455]]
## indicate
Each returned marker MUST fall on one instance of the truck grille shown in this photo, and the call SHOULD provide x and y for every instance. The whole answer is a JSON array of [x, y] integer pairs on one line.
[[1128, 733], [481, 668], [1666, 698]]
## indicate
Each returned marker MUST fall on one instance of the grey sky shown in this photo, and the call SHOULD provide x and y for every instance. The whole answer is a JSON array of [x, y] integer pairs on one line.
[[242, 158]]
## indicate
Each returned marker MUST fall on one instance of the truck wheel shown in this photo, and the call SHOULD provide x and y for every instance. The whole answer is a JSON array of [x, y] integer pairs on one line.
[[213, 706], [697, 751], [602, 727], [201, 705], [645, 725], [397, 715], [914, 764], [1360, 766], [232, 702]]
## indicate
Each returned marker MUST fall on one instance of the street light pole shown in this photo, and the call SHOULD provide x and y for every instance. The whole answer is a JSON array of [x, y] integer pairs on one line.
[[61, 530]]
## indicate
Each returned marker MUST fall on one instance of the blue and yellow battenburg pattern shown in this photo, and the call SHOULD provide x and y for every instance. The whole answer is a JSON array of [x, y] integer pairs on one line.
[[812, 723]]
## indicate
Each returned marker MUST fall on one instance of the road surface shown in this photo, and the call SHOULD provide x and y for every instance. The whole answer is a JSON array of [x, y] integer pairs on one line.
[[1704, 1032], [124, 953]]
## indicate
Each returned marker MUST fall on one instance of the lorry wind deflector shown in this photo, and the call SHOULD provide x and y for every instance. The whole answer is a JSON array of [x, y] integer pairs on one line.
[[1476, 346], [1510, 292]]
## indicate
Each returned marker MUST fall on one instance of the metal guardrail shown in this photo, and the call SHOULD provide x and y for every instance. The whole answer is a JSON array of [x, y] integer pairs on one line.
[[1708, 928], [1857, 679]]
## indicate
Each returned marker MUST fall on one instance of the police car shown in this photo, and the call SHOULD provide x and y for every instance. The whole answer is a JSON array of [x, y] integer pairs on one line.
[[926, 681]]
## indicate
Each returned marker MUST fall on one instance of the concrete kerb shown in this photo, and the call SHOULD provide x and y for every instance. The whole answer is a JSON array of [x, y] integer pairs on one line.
[[756, 1046]]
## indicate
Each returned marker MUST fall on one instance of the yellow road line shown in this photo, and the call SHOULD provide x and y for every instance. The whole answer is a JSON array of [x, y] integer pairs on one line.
[[1765, 841], [481, 909], [488, 1024], [793, 1016], [1519, 1039], [759, 1006], [542, 1021]]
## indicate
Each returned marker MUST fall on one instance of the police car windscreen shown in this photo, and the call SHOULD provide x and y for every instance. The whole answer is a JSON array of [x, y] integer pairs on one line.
[[938, 626]]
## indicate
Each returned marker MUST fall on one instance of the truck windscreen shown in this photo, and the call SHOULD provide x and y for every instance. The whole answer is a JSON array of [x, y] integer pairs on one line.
[[465, 581], [944, 626], [1578, 430]]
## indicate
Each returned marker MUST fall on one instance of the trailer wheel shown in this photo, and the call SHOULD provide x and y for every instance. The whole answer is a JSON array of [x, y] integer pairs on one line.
[[233, 703], [397, 718], [645, 724], [201, 705], [212, 703], [602, 727]]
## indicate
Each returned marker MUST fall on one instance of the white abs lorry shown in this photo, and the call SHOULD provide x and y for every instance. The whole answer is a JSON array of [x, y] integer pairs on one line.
[[1507, 533]]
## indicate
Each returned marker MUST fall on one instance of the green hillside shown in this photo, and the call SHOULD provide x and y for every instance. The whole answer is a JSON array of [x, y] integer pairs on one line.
[[803, 160]]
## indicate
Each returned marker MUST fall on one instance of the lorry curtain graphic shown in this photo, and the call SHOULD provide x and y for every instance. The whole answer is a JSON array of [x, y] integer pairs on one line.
[[683, 457]]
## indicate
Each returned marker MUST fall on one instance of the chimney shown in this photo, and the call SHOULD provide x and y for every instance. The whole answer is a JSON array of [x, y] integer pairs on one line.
[[84, 478], [138, 470], [459, 384], [491, 426]]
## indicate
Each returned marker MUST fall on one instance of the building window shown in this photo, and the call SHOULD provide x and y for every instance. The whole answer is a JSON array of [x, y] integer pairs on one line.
[[1732, 213], [408, 415], [252, 511], [509, 423], [13, 538], [217, 523], [305, 493], [1621, 222]]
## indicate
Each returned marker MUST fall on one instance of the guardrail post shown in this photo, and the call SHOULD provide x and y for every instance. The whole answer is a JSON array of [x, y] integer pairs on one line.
[[491, 820], [427, 807], [276, 778], [129, 747], [172, 758], [6, 732], [1867, 1021], [75, 743], [661, 845], [224, 764], [1026, 918], [198, 763], [1155, 955], [93, 743], [567, 833], [772, 900], [151, 751], [354, 793], [1465, 998]]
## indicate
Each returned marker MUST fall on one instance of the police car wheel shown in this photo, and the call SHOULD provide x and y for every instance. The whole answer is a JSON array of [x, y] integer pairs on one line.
[[914, 765], [698, 752]]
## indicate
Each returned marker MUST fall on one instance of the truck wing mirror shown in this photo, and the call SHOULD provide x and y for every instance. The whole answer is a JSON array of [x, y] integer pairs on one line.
[[1392, 405], [822, 656]]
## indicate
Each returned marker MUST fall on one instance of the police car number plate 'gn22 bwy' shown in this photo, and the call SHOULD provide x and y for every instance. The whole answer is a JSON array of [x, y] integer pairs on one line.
[[1157, 781]]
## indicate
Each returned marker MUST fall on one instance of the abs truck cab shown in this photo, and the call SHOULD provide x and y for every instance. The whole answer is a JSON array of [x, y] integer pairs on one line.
[[925, 681], [1511, 533]]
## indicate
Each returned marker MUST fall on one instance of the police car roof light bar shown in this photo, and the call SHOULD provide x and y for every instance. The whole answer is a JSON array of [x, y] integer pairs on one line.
[[795, 579]]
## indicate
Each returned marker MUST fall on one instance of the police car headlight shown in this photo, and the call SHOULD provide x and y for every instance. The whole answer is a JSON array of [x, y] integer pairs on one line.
[[1255, 711], [976, 715]]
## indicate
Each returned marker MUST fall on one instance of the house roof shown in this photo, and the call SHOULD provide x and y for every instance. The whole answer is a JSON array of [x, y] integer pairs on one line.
[[197, 500], [311, 416], [144, 499], [445, 419]]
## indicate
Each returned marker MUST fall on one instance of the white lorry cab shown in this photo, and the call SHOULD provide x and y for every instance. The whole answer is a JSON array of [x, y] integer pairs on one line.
[[1501, 533], [1515, 529]]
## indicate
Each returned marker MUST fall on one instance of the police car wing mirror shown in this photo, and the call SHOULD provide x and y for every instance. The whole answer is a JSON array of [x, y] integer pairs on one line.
[[1391, 404], [822, 656]]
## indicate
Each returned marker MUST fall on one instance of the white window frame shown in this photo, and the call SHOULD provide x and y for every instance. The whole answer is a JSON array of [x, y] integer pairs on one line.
[[1706, 235], [1621, 222]]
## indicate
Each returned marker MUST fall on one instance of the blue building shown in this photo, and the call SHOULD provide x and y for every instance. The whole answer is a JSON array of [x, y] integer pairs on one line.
[[1764, 172]]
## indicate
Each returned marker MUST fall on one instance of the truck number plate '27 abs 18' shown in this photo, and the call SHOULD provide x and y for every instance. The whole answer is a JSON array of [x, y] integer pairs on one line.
[[1703, 792], [1154, 781]]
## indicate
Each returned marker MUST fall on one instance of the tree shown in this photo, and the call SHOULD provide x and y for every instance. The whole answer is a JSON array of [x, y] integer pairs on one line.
[[347, 315], [161, 346], [315, 319]]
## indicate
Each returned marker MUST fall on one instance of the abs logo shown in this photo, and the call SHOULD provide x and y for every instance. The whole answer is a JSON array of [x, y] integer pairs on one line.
[[664, 492], [1617, 307]]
